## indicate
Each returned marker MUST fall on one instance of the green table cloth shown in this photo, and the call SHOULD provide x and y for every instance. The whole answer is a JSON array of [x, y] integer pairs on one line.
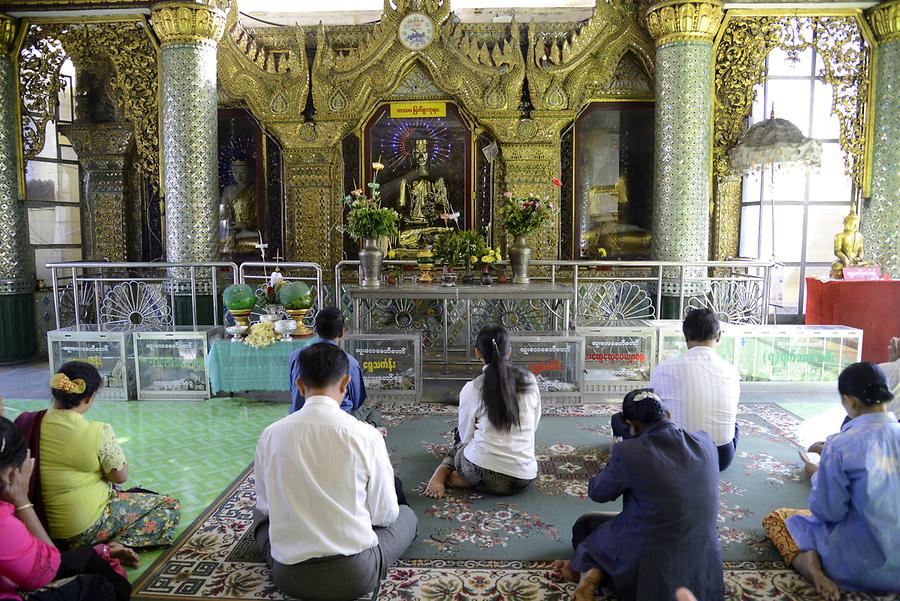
[[236, 367]]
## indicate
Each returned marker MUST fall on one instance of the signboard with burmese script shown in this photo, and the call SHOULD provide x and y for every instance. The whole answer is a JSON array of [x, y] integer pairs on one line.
[[555, 360], [412, 109], [617, 358], [107, 351], [391, 364]]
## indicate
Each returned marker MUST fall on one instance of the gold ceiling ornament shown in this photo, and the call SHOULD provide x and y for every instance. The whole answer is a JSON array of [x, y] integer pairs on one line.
[[483, 71], [740, 56], [186, 22], [133, 56], [273, 82], [680, 21], [7, 34], [885, 21], [567, 70], [40, 61]]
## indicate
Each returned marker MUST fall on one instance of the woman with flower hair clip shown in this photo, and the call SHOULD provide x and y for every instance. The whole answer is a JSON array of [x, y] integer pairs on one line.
[[499, 413], [81, 462], [665, 536]]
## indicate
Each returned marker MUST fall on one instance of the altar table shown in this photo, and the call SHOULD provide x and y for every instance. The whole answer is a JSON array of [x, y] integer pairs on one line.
[[873, 306], [237, 367], [556, 299]]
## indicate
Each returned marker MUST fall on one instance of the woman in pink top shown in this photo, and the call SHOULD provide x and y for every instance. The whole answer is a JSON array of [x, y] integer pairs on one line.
[[28, 559]]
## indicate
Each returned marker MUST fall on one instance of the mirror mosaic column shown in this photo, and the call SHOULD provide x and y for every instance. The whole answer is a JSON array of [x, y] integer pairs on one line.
[[881, 213], [17, 334], [683, 32], [188, 33]]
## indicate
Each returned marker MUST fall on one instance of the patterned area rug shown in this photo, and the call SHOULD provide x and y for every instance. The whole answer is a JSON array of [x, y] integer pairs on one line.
[[473, 546]]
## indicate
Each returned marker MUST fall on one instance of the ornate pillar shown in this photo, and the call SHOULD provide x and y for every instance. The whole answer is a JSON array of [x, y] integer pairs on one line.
[[881, 214], [684, 32], [188, 33], [530, 169], [312, 177], [17, 341], [102, 153]]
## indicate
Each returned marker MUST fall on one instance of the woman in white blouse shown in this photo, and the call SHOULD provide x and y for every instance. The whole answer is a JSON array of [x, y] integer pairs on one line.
[[499, 413]]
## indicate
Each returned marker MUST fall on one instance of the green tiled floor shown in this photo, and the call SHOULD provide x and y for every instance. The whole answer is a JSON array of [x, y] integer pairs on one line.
[[191, 451]]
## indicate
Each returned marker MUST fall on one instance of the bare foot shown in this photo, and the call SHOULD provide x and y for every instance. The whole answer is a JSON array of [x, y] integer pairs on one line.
[[809, 564], [436, 487], [564, 568], [588, 585], [124, 554], [684, 594]]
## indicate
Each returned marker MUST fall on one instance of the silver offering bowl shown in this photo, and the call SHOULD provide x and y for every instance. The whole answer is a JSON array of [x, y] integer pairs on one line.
[[236, 332], [285, 327]]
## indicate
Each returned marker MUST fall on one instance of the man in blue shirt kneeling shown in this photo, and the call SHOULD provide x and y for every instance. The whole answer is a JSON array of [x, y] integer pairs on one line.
[[330, 328]]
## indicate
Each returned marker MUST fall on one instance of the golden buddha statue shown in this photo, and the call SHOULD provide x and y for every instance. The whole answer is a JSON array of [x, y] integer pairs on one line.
[[421, 202], [605, 205], [848, 247], [238, 223]]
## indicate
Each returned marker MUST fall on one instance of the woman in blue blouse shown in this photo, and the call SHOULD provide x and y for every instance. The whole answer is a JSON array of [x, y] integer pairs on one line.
[[849, 537]]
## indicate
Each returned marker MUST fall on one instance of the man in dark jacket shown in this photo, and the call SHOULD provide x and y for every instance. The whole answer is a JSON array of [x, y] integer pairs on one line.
[[665, 536]]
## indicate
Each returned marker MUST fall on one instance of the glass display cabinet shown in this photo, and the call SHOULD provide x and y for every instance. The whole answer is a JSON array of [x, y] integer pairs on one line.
[[782, 357], [171, 365], [796, 354], [613, 180], [556, 361], [617, 358], [670, 340], [109, 352], [391, 364]]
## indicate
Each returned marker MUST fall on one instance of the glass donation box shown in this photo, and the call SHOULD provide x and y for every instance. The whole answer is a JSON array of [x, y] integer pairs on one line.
[[782, 357], [670, 339], [617, 358], [555, 360], [109, 352], [391, 364], [171, 365]]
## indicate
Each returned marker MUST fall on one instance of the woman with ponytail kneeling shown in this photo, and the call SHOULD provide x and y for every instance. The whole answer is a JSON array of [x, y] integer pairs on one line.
[[848, 539], [499, 413]]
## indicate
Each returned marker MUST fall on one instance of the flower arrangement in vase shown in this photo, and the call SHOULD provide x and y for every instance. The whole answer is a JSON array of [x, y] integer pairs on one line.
[[460, 248], [267, 297], [521, 216], [486, 260], [368, 221]]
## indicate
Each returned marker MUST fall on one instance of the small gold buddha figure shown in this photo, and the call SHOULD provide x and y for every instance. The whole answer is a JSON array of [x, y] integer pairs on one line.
[[421, 202], [848, 247], [238, 223]]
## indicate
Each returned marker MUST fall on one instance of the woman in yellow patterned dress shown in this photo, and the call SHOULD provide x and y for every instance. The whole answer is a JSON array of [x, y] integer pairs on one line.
[[81, 462]]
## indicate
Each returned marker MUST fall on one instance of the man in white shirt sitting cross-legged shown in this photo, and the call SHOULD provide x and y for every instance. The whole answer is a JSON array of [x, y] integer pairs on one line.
[[699, 388], [327, 518]]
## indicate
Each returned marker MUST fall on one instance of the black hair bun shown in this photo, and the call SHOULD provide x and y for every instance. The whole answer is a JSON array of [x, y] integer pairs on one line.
[[877, 393]]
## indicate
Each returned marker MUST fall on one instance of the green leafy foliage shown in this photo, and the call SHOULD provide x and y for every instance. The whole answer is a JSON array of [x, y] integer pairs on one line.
[[458, 247], [366, 217], [524, 215]]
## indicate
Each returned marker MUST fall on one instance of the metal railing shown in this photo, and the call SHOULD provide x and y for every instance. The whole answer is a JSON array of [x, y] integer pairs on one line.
[[264, 270], [175, 279], [655, 275]]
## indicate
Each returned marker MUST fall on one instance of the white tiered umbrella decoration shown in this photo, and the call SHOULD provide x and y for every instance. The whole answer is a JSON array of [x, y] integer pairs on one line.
[[774, 144]]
